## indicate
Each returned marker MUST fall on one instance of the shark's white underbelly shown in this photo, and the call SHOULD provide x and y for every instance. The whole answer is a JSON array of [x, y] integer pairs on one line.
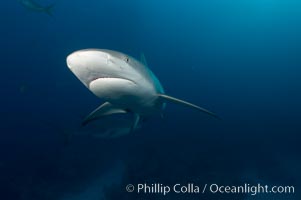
[[126, 94]]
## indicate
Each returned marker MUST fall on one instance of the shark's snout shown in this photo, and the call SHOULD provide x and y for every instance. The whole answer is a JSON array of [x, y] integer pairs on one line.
[[90, 64], [86, 57], [70, 61], [86, 65]]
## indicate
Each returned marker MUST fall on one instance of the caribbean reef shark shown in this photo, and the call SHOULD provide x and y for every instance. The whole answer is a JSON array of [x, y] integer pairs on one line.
[[126, 85], [34, 6]]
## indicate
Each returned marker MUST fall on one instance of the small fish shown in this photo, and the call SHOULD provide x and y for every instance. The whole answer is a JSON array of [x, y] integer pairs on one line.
[[34, 6]]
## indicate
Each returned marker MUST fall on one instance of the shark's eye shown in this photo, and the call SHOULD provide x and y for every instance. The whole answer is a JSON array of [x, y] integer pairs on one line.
[[126, 59]]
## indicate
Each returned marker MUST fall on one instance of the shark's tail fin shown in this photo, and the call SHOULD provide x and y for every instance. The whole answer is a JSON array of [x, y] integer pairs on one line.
[[49, 10], [167, 98]]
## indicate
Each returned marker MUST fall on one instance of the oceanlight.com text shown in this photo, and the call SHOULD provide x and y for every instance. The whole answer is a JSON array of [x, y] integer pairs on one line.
[[192, 188], [251, 189]]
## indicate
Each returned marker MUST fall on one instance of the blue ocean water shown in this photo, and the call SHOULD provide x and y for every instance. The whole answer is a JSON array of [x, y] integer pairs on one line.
[[238, 58]]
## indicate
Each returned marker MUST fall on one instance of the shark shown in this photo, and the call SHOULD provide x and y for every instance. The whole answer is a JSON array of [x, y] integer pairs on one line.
[[126, 85], [34, 6]]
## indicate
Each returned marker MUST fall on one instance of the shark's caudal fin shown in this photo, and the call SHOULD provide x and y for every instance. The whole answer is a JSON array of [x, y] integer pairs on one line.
[[167, 98], [103, 110], [49, 9]]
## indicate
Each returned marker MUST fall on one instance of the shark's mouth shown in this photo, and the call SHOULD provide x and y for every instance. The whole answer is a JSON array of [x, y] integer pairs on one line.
[[108, 81], [109, 86], [107, 77]]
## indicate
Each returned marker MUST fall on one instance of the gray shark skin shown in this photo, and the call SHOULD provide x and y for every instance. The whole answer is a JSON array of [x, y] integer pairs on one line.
[[124, 83], [34, 6]]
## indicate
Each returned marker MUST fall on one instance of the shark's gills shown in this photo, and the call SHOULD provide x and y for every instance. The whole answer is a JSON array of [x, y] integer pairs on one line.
[[136, 122]]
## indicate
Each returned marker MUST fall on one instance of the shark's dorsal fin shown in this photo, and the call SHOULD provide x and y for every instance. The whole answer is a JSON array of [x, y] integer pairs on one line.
[[167, 98], [103, 110], [143, 59]]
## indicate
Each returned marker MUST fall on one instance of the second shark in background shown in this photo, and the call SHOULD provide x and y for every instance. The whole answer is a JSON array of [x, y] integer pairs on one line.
[[34, 6]]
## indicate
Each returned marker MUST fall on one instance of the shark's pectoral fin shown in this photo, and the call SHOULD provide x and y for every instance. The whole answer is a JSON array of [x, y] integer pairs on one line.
[[167, 98], [103, 110]]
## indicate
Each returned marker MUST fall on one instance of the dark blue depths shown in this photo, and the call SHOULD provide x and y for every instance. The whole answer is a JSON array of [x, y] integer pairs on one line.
[[240, 59]]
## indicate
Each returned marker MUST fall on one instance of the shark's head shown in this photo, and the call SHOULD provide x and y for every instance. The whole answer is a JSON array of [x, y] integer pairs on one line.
[[115, 77], [89, 65]]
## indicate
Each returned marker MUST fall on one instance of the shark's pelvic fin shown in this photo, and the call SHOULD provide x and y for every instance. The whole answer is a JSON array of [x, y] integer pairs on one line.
[[103, 110], [167, 98]]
